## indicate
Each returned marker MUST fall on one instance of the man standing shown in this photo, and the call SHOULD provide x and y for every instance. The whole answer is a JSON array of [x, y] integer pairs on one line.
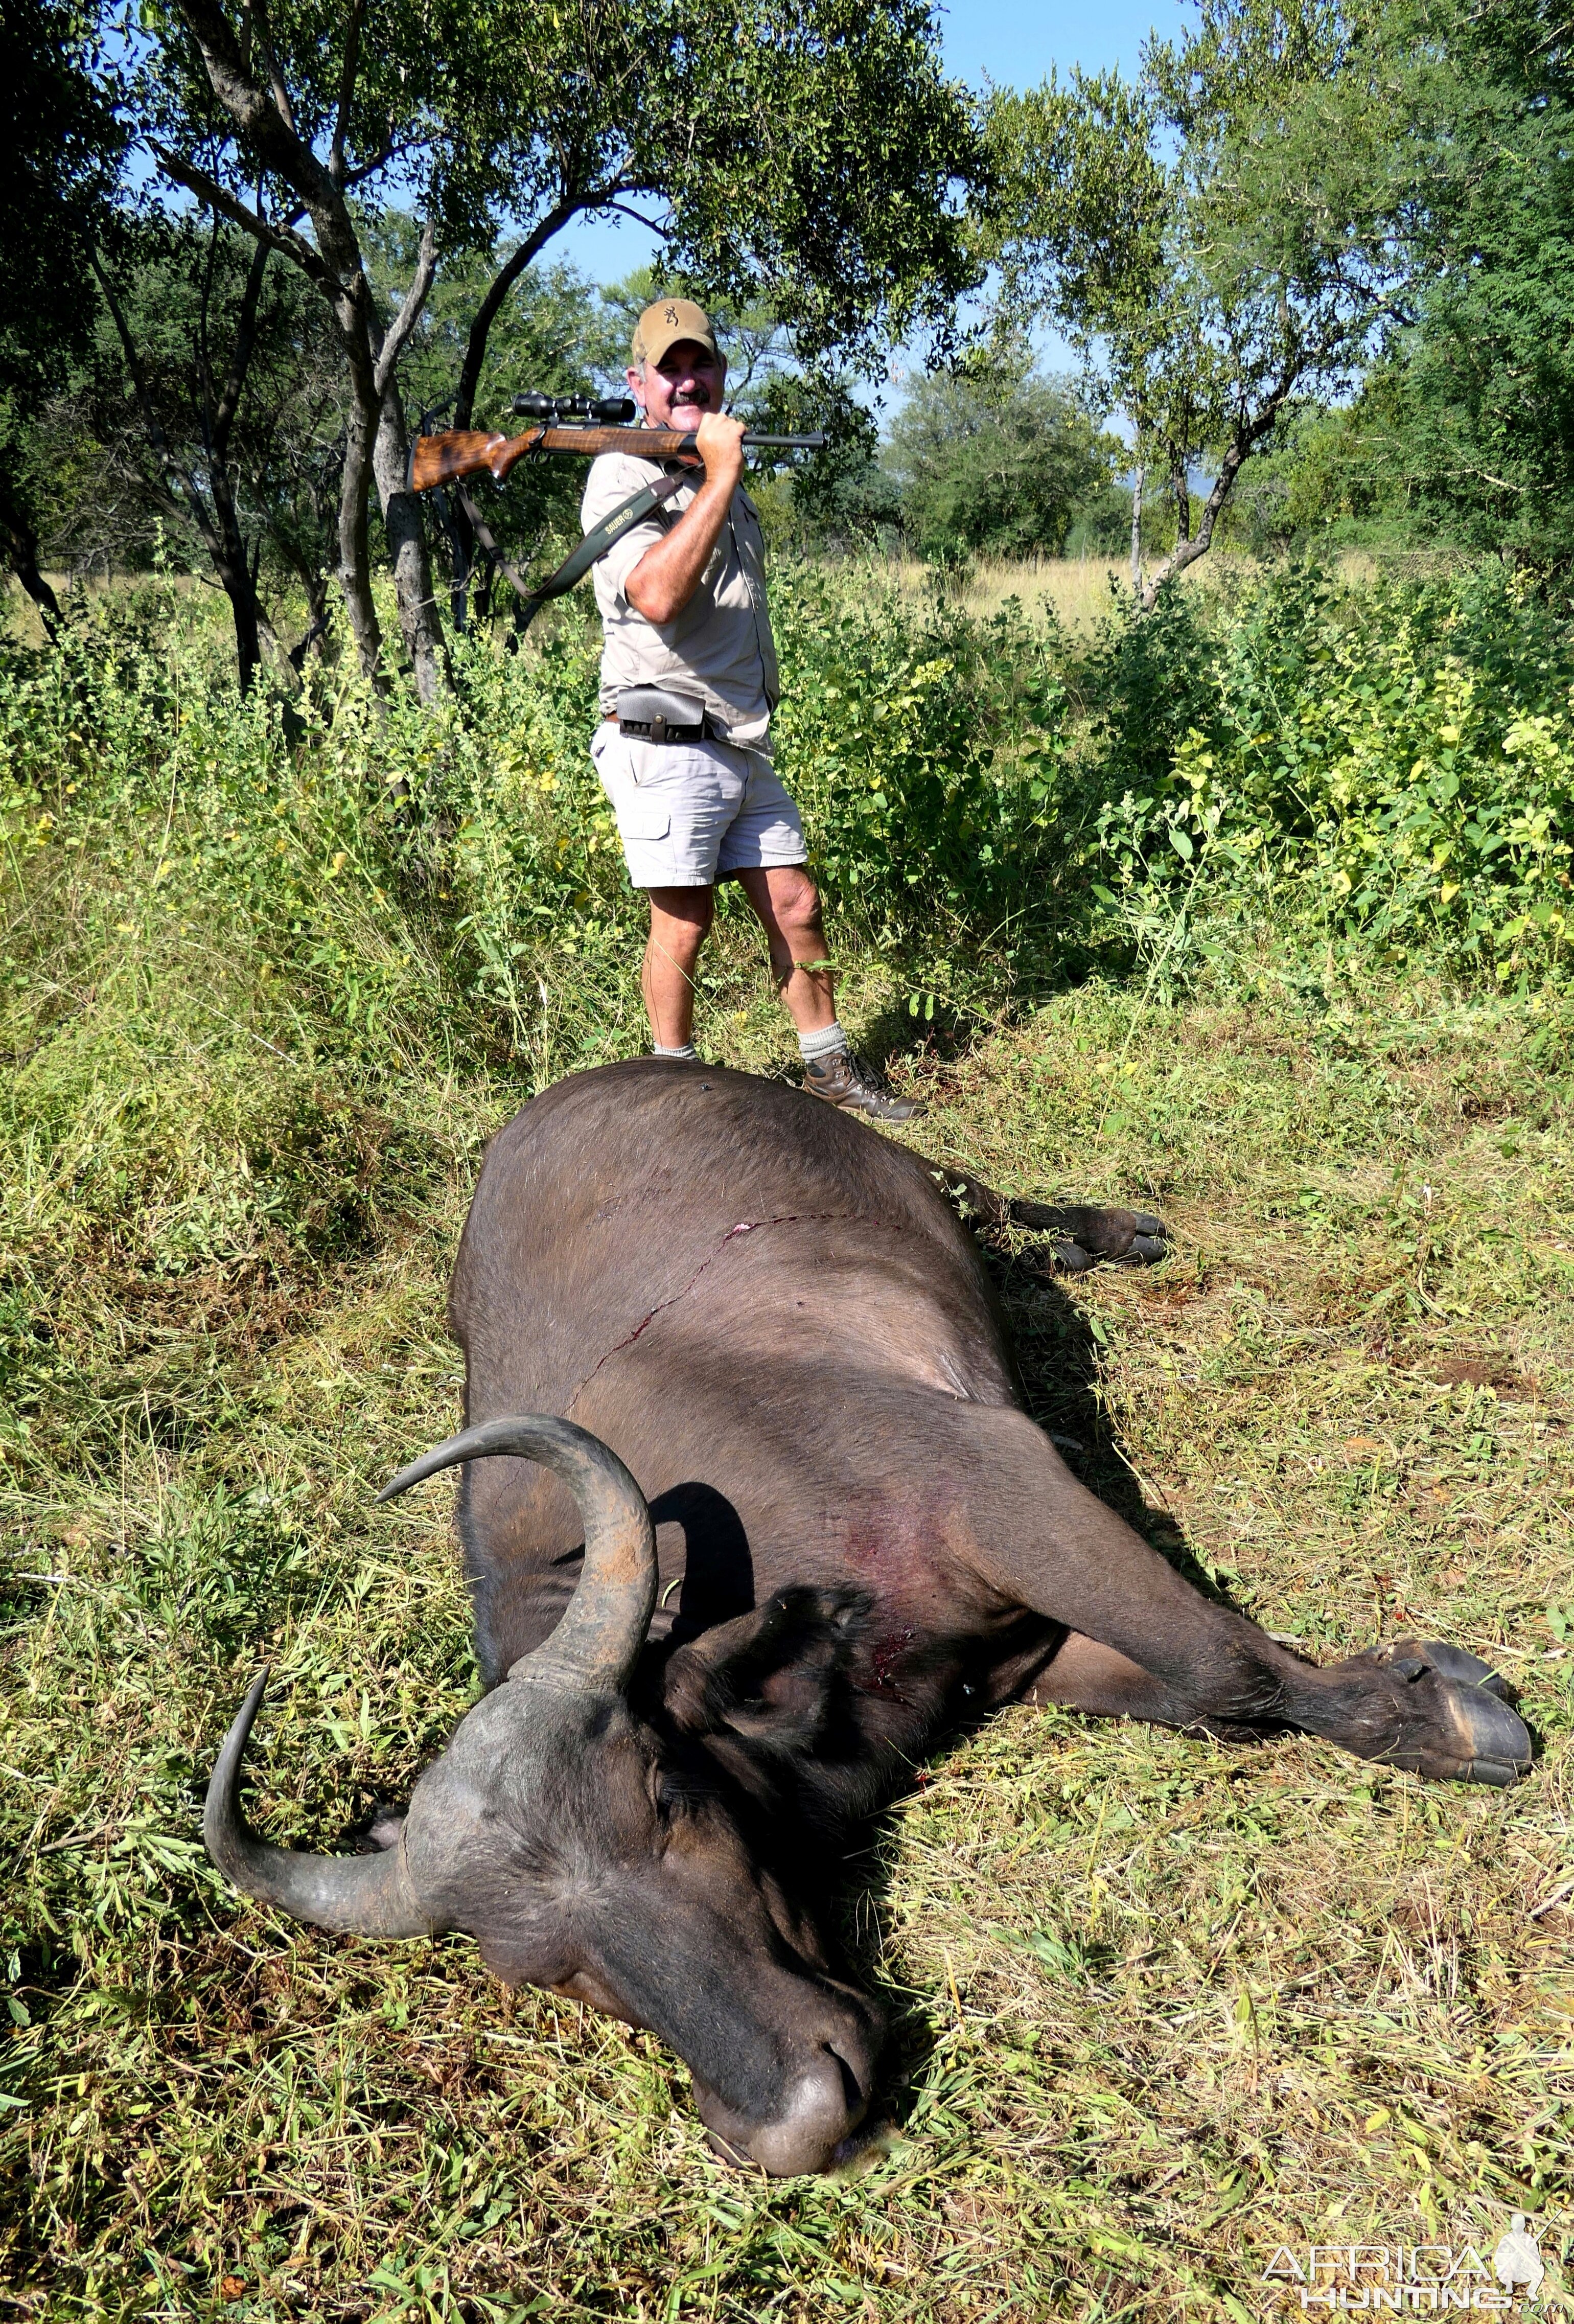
[[688, 682]]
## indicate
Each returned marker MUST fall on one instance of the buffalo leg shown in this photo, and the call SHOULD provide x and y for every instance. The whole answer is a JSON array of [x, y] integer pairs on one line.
[[1083, 1233], [1059, 1551], [1084, 1675]]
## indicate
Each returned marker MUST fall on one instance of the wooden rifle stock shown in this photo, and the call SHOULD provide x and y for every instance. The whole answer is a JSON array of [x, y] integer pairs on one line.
[[460, 452]]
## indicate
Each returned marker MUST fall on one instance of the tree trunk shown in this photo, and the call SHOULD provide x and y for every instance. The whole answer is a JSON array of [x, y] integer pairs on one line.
[[1136, 485], [462, 539], [407, 548], [354, 553], [1245, 440], [19, 543], [219, 530], [460, 531], [483, 589], [243, 603], [229, 557], [315, 582]]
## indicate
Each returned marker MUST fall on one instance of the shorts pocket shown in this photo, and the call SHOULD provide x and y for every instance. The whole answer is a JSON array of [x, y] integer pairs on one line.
[[641, 817]]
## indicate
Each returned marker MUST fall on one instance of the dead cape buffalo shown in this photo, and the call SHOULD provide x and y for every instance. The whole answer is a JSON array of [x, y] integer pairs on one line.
[[760, 1517]]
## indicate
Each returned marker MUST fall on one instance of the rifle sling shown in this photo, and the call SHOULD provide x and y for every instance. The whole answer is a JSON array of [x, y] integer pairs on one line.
[[595, 544], [479, 527]]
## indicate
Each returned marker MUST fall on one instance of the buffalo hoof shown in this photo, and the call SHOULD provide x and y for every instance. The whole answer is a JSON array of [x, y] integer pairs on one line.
[[381, 1832], [1087, 1235], [1474, 1736], [1083, 1232]]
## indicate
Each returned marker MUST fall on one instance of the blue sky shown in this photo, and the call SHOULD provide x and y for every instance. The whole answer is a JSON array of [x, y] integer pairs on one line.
[[1016, 42], [1013, 42]]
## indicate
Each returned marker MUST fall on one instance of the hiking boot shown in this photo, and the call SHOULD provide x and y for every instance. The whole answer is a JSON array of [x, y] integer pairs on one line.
[[847, 1079]]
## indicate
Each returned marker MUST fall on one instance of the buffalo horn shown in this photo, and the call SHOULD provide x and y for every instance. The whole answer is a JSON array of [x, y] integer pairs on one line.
[[598, 1642], [360, 1895]]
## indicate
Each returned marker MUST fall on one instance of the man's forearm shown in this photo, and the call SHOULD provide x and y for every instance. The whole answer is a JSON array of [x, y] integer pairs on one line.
[[667, 576]]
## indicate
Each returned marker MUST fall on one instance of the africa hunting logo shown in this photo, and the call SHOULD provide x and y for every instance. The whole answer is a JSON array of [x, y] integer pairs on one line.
[[1409, 2279]]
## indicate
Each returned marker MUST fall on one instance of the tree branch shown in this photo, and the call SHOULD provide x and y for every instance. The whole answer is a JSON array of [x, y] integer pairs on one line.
[[151, 421], [378, 161], [204, 362], [256, 16], [262, 117], [1248, 434], [503, 283], [240, 360], [347, 89], [624, 210], [408, 314], [217, 197]]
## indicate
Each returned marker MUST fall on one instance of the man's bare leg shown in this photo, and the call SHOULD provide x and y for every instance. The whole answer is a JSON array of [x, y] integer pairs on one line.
[[680, 920], [786, 903]]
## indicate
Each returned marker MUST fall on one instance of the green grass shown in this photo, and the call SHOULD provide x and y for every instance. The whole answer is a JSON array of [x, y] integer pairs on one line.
[[1160, 2006]]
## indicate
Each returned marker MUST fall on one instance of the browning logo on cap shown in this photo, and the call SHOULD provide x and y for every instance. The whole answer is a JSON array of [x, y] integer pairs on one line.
[[663, 324]]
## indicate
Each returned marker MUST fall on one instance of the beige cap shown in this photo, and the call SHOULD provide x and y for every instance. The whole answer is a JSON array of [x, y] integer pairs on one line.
[[663, 324]]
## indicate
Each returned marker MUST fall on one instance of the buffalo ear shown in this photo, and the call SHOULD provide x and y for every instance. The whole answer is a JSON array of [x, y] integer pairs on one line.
[[766, 1677]]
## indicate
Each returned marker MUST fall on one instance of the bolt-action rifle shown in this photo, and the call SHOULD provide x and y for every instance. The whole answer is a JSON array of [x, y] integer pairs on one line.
[[601, 427], [449, 455]]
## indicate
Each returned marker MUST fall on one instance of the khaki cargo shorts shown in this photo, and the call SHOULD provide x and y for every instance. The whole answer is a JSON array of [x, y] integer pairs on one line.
[[690, 814]]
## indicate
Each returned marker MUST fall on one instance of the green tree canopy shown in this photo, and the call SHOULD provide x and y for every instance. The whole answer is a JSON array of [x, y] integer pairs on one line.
[[810, 151], [216, 414], [63, 159], [1478, 424], [1001, 470], [1217, 236]]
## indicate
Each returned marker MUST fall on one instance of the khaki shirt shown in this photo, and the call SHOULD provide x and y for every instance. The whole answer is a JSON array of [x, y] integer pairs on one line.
[[720, 648]]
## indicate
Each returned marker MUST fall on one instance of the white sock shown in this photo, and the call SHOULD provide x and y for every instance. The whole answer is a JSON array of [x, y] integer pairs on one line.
[[827, 1042], [687, 1050]]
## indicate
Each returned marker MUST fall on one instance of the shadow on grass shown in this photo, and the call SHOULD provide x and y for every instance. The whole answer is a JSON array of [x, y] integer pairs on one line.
[[1059, 1358]]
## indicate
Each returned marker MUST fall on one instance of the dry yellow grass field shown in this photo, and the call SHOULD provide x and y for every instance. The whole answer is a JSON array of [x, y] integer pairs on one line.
[[1079, 591]]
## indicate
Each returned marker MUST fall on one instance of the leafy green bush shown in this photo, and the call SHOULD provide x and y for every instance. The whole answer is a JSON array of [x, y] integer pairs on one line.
[[912, 742], [390, 860], [1394, 762]]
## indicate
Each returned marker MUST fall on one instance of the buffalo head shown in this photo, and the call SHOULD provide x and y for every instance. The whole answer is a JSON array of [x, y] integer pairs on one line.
[[592, 1849]]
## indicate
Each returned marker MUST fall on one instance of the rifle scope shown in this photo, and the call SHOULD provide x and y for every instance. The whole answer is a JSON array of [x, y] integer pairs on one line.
[[604, 412]]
